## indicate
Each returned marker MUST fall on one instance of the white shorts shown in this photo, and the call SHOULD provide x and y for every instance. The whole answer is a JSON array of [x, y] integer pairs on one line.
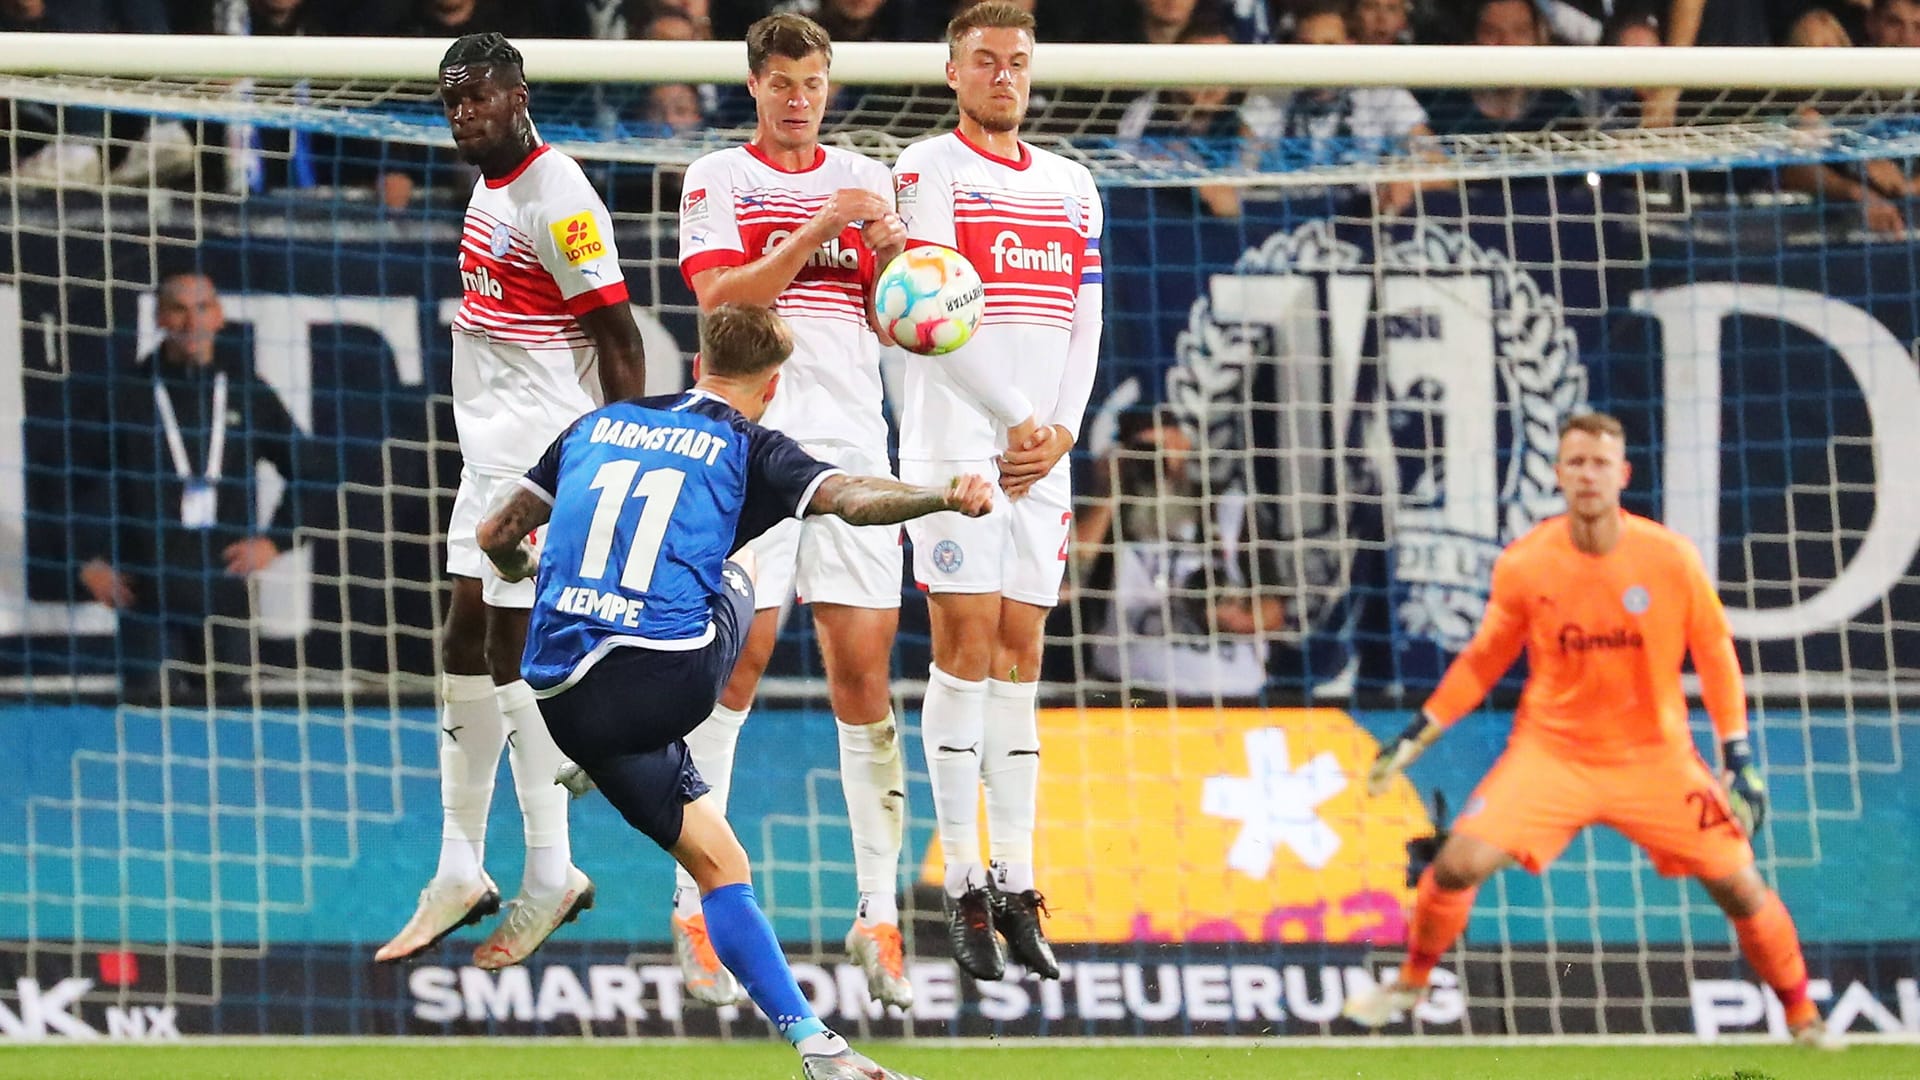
[[464, 557], [824, 560], [1018, 550]]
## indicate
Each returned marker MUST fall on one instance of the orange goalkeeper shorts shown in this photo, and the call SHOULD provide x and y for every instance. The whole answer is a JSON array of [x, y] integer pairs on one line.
[[1535, 799]]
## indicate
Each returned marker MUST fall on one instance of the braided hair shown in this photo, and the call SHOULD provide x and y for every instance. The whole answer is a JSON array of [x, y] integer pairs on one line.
[[489, 50]]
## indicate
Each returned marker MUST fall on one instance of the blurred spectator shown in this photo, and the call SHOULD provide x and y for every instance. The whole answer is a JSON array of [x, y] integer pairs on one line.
[[1486, 111], [856, 20], [454, 18], [1882, 187], [675, 107], [1382, 22], [1155, 22], [1193, 122], [1329, 125], [1626, 106], [138, 149], [166, 486], [1176, 583]]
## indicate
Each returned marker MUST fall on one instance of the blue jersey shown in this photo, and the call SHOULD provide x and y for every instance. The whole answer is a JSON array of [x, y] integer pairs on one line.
[[649, 498]]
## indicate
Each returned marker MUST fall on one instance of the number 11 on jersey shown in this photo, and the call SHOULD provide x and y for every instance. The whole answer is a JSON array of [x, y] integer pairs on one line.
[[660, 490]]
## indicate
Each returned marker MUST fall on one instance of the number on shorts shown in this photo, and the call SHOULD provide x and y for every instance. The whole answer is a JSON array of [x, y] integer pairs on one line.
[[1713, 814], [1066, 523], [661, 490]]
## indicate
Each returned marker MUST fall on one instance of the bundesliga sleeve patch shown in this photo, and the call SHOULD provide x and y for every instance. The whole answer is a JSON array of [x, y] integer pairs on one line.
[[906, 187], [578, 238], [693, 206]]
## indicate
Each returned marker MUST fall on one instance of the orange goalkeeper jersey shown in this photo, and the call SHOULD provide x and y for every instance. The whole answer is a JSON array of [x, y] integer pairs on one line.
[[1605, 637]]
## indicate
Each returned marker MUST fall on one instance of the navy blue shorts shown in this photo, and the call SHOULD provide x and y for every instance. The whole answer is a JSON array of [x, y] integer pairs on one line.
[[626, 721]]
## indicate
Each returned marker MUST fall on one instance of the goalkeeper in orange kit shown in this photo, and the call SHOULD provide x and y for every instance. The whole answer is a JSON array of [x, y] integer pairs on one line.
[[1607, 605]]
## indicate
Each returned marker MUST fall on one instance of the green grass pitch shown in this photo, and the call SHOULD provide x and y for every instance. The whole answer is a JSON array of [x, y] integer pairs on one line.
[[486, 1059]]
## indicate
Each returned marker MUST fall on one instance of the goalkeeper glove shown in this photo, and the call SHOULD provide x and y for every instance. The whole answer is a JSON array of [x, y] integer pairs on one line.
[[1422, 850], [1746, 789], [1395, 756]]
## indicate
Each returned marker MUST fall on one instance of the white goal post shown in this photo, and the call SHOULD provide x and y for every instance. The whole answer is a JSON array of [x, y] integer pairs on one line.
[[920, 63]]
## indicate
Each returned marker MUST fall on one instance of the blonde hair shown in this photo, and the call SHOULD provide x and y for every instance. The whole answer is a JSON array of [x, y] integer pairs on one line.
[[987, 15], [740, 340]]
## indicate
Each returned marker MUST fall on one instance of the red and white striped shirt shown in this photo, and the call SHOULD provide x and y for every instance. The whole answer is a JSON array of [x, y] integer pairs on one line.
[[735, 206], [1031, 227], [536, 252]]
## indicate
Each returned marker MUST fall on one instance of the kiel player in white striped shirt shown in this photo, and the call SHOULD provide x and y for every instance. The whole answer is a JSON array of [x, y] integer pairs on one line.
[[785, 223], [543, 335], [1029, 221]]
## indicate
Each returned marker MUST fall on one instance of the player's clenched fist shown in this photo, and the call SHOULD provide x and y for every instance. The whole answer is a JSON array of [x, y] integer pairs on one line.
[[848, 205], [970, 495]]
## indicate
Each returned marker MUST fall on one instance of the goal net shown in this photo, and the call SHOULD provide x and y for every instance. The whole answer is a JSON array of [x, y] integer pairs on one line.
[[1343, 327]]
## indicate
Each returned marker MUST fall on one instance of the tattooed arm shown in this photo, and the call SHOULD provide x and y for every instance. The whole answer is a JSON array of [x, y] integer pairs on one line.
[[882, 500], [503, 532]]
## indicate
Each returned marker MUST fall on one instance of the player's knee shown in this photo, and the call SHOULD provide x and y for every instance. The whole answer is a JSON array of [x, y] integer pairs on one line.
[[1462, 866], [463, 655], [1739, 894], [715, 862]]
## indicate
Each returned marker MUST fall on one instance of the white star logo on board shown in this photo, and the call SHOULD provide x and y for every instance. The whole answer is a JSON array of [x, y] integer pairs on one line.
[[1276, 804]]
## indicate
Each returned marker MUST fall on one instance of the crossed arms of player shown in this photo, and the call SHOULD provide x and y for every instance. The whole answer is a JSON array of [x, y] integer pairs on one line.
[[860, 500], [1503, 633]]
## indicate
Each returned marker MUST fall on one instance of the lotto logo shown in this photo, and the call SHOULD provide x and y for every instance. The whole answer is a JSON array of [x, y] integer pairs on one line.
[[579, 238]]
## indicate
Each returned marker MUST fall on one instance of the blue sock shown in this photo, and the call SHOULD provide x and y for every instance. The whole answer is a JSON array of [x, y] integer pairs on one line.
[[744, 941]]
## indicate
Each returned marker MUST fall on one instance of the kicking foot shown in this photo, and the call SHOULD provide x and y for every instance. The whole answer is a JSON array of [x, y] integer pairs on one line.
[[531, 920], [848, 1064], [1379, 1006], [443, 908], [976, 948], [705, 978], [1017, 917], [879, 951]]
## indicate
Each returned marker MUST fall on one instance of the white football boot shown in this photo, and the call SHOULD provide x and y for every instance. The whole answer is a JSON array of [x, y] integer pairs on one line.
[[443, 909], [531, 920], [848, 1064], [1379, 1006], [878, 949], [706, 980]]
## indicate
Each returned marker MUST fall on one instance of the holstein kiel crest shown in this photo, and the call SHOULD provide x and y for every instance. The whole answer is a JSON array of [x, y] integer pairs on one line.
[[1416, 394]]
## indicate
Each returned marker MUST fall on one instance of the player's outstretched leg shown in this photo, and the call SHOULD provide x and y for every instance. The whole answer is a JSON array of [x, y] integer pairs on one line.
[[856, 644], [706, 980], [553, 892], [1772, 947], [472, 734], [1441, 905], [712, 746], [1010, 770]]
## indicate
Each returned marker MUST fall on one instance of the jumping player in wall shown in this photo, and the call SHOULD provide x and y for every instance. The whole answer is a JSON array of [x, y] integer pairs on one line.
[[543, 334], [787, 224], [1012, 397], [1607, 605], [641, 615]]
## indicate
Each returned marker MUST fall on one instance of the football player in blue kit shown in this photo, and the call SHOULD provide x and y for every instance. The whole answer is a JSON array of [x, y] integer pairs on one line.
[[639, 613]]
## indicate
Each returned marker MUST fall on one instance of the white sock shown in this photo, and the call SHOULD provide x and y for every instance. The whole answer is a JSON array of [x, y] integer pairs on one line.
[[686, 900], [879, 907], [711, 746], [951, 724], [1010, 768], [543, 803], [821, 1042], [471, 735], [873, 777], [1012, 877]]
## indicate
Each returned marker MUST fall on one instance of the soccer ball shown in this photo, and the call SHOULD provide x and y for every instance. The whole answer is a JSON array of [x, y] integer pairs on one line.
[[929, 300]]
